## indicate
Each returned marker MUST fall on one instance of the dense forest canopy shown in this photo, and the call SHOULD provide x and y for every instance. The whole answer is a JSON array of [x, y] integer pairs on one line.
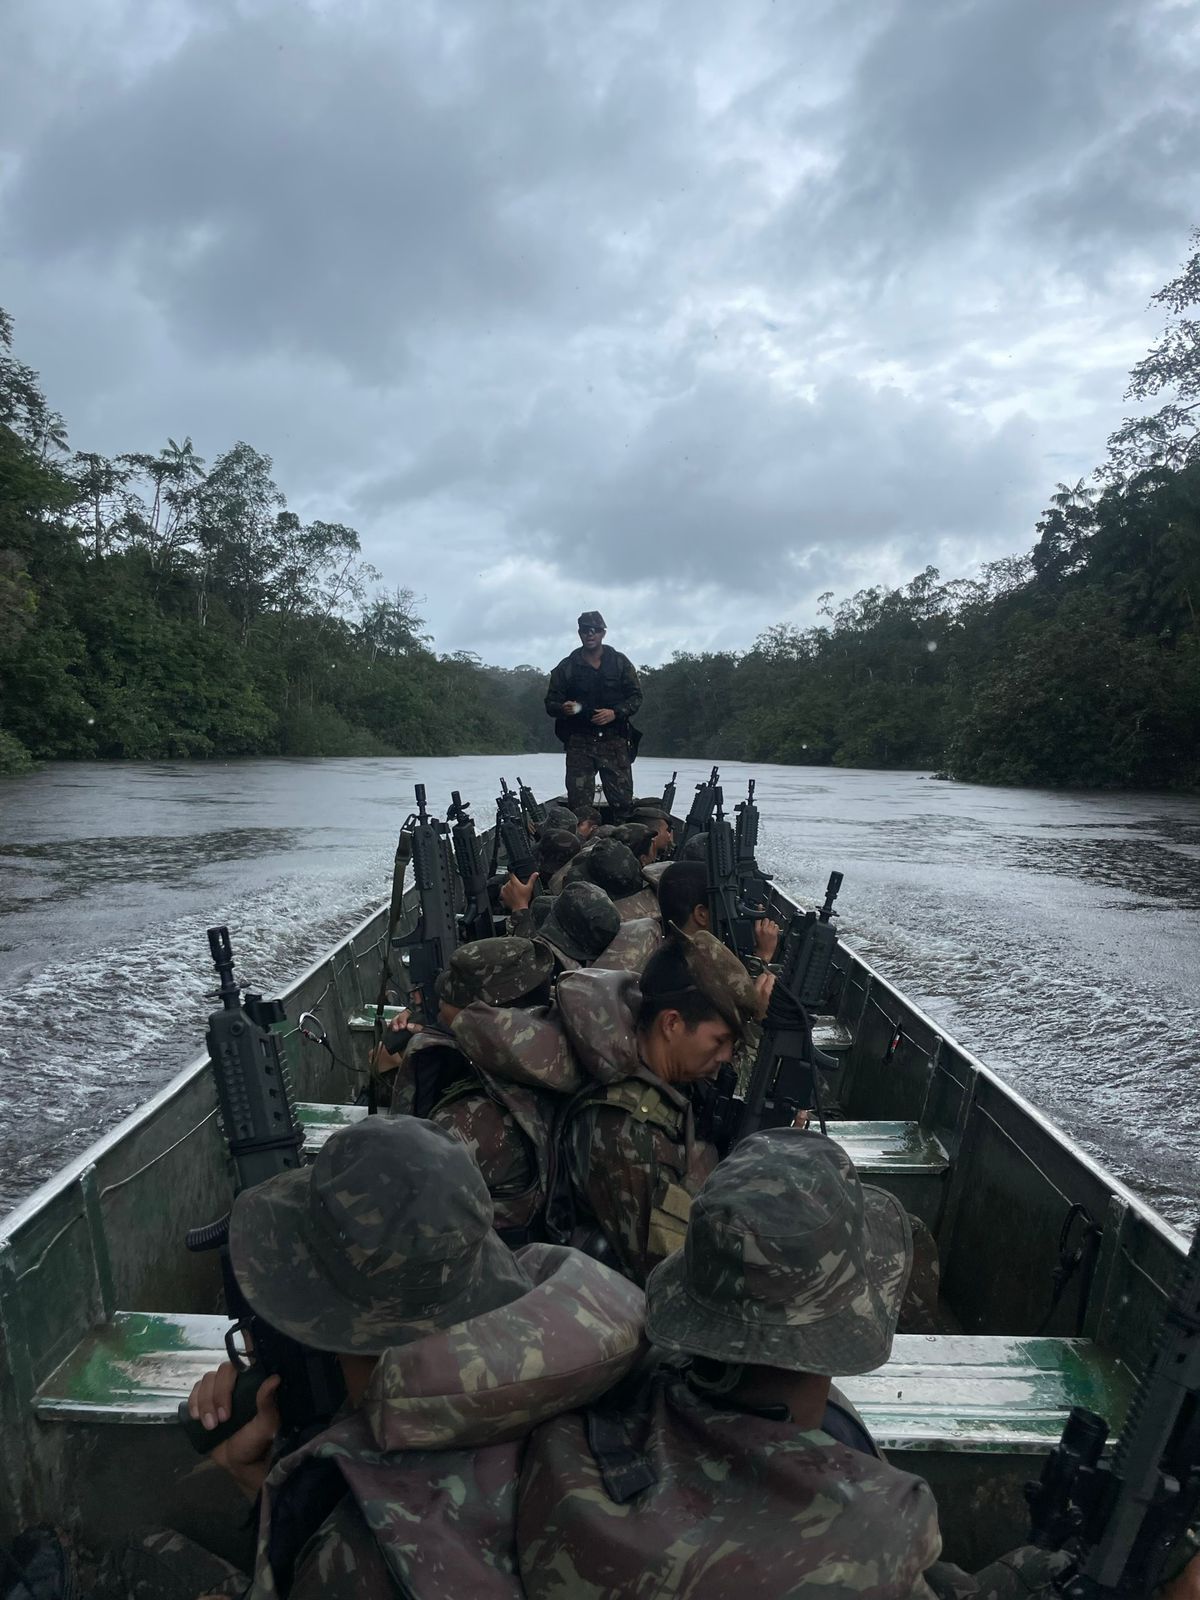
[[158, 605]]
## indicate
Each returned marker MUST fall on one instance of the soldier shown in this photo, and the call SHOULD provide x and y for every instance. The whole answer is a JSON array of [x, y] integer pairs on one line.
[[617, 870], [591, 695], [743, 1469], [582, 924], [494, 991], [683, 902], [382, 1252], [629, 1145], [589, 821]]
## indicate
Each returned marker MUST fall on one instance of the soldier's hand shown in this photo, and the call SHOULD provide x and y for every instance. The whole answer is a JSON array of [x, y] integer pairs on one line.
[[1185, 1585], [245, 1455], [515, 895], [571, 708], [602, 718], [396, 1039], [762, 988], [766, 938]]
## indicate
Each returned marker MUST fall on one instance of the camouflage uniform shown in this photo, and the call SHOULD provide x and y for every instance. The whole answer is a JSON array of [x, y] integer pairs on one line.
[[607, 751], [666, 1490], [633, 946], [487, 1097], [581, 925], [628, 1140], [384, 1247]]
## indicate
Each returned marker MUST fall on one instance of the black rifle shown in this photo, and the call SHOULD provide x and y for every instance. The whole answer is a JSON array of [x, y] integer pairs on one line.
[[1125, 1520], [702, 808], [264, 1140], [476, 920], [668, 799], [753, 888], [716, 1110], [786, 1075], [531, 808], [729, 919], [512, 834], [426, 949]]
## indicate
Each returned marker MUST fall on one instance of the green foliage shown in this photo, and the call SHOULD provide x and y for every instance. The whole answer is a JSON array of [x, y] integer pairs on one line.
[[14, 758], [151, 606]]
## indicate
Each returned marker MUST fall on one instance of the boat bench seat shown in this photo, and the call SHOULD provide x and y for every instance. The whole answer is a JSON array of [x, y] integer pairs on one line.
[[938, 1392], [880, 1150], [830, 1035]]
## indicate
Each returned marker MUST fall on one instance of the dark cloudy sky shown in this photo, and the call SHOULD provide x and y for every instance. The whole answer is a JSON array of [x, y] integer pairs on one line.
[[685, 310]]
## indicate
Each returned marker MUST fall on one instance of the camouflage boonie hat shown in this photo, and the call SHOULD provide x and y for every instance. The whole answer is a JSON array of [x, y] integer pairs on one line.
[[559, 817], [789, 1261], [720, 977], [540, 908], [635, 836], [385, 1238], [582, 923], [650, 812], [496, 971], [590, 619], [614, 867]]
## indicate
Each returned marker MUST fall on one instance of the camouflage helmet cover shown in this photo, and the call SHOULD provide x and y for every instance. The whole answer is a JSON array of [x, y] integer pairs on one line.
[[582, 923], [789, 1261], [720, 977], [559, 817], [614, 867], [496, 971], [386, 1237]]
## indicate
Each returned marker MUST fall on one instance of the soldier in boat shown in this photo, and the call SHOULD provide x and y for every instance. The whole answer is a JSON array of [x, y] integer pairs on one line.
[[592, 694], [383, 1253]]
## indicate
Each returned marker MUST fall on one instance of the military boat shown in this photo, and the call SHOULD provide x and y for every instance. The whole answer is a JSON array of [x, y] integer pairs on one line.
[[1053, 1275]]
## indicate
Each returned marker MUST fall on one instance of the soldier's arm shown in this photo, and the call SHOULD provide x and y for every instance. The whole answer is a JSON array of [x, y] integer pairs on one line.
[[616, 1169], [631, 693], [342, 1561], [556, 690]]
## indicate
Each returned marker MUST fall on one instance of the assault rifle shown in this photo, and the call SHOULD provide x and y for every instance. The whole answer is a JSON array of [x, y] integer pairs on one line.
[[531, 808], [476, 920], [668, 799], [752, 886], [264, 1140], [786, 1076], [730, 919], [1125, 1520], [426, 949], [512, 834], [702, 808]]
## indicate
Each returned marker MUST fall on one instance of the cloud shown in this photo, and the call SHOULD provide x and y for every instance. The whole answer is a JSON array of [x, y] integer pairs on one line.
[[692, 313]]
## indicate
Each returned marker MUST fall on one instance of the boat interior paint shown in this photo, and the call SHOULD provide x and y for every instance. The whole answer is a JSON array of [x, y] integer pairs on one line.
[[994, 1180]]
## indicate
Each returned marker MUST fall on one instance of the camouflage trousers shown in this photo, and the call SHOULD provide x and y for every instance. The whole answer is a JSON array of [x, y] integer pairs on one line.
[[610, 755]]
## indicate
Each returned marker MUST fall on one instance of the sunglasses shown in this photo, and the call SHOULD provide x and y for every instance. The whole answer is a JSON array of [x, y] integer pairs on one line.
[[585, 631]]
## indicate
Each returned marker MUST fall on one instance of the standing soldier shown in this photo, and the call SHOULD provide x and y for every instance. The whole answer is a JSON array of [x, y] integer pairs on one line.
[[592, 694]]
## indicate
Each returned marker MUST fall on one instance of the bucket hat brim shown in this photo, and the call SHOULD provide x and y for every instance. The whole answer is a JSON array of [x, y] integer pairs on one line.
[[853, 1340], [285, 1281]]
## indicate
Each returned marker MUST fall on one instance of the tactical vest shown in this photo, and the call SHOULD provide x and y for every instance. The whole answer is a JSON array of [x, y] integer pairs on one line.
[[593, 690], [682, 1162]]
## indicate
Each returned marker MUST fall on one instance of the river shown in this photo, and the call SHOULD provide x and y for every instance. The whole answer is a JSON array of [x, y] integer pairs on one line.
[[1056, 934]]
